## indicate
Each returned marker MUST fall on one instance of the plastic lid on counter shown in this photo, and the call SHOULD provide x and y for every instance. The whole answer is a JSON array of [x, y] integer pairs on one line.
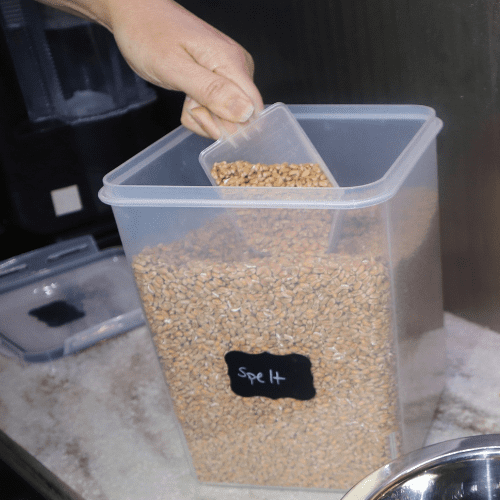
[[65, 297]]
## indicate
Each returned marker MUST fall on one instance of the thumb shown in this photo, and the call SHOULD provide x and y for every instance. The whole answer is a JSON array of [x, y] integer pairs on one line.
[[219, 94]]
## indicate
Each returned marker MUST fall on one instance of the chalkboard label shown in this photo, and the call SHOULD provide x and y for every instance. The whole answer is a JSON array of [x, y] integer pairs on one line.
[[57, 313], [270, 375]]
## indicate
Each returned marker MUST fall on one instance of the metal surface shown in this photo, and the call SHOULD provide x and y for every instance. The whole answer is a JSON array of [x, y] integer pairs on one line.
[[467, 468]]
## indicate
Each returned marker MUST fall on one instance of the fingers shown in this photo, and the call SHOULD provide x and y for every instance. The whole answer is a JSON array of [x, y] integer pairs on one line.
[[202, 122], [218, 94], [197, 119], [218, 103], [243, 78]]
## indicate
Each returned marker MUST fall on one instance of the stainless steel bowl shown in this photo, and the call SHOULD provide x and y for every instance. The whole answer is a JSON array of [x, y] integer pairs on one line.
[[467, 468]]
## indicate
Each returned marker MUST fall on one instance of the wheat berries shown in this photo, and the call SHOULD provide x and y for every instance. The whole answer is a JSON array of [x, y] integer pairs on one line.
[[264, 281], [244, 173], [205, 295]]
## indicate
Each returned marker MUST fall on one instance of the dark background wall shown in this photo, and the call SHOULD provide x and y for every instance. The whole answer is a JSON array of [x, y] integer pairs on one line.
[[440, 53]]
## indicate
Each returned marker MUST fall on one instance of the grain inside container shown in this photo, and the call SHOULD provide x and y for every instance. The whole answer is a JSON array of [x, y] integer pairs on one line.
[[243, 294]]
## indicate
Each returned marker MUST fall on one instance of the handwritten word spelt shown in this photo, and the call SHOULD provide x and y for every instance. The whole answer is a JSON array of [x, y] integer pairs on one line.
[[274, 377], [269, 375]]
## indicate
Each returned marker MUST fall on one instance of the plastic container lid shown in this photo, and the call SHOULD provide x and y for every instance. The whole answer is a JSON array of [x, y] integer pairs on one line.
[[65, 297], [274, 136]]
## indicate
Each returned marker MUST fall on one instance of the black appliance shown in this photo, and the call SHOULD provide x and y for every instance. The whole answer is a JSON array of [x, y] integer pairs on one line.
[[71, 110]]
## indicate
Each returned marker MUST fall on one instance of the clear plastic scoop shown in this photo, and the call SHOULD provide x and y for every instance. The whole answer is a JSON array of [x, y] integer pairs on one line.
[[273, 136]]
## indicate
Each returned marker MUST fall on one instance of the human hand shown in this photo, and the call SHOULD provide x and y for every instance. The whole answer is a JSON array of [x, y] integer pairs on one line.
[[170, 47]]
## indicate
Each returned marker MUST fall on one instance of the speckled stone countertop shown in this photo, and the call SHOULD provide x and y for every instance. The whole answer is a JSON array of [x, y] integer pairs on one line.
[[100, 425]]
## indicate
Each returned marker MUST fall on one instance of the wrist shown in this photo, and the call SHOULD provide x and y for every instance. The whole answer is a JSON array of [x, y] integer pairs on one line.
[[93, 10]]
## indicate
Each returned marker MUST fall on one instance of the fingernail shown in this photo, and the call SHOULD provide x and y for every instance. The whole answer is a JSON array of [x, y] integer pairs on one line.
[[247, 114], [240, 110]]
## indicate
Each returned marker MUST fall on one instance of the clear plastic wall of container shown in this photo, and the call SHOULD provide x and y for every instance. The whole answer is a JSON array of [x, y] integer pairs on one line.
[[68, 68], [294, 359]]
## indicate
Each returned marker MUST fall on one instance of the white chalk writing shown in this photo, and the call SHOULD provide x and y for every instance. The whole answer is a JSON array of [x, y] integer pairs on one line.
[[274, 377]]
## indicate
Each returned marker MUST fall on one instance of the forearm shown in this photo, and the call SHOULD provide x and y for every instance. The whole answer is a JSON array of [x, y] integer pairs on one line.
[[108, 12], [170, 47], [94, 10]]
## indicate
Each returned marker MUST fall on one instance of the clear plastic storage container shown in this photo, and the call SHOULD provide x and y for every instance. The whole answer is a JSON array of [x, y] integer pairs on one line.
[[292, 363]]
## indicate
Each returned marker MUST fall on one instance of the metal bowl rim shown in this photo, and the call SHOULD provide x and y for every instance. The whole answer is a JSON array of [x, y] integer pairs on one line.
[[410, 465]]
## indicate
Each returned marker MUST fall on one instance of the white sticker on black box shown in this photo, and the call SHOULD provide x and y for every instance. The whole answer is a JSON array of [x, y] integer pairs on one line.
[[66, 200]]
